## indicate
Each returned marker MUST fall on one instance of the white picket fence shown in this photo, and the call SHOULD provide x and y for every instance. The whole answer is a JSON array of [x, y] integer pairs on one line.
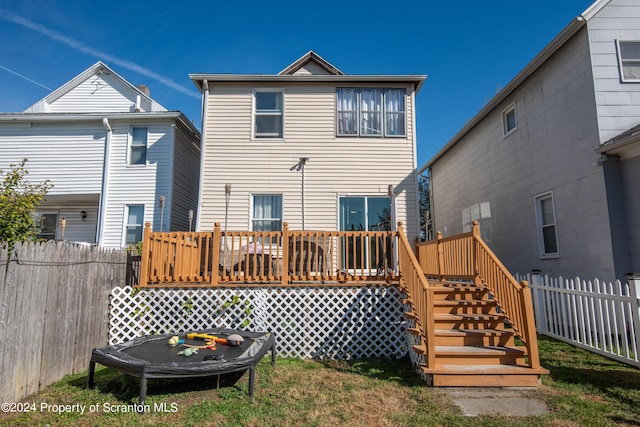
[[598, 316]]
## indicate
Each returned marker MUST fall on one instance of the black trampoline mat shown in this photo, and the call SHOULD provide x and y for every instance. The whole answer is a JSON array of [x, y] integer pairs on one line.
[[158, 351]]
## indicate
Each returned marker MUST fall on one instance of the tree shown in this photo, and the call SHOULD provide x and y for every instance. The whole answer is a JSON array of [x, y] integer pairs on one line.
[[18, 201], [425, 207]]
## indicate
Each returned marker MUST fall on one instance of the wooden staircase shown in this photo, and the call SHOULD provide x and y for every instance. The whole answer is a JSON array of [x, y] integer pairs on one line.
[[473, 343]]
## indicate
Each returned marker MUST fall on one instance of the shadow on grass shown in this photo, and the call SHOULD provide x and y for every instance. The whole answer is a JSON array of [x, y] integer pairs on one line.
[[126, 388], [398, 371]]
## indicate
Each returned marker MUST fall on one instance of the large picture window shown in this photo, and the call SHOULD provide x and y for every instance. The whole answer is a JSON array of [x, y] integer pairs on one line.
[[546, 223], [268, 114], [371, 112], [629, 60]]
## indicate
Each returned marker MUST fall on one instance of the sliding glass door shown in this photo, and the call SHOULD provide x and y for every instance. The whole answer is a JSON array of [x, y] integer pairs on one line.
[[364, 213]]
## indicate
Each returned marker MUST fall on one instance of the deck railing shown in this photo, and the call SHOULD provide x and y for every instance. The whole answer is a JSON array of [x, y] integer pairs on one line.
[[419, 293], [279, 258], [467, 257]]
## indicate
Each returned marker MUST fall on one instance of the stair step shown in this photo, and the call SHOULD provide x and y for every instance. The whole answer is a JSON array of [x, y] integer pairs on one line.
[[474, 337], [489, 351], [484, 375], [479, 355], [480, 317], [454, 306], [411, 315]]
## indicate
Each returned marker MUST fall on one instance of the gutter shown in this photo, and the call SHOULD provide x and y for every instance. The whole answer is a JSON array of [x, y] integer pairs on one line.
[[102, 214], [568, 32]]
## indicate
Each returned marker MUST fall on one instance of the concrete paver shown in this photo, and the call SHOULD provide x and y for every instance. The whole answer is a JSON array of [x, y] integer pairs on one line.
[[497, 401]]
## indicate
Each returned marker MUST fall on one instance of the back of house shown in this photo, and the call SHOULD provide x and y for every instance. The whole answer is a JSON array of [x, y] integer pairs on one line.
[[311, 146]]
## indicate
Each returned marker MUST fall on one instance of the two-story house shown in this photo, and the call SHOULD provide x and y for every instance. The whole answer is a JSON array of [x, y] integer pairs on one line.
[[550, 166], [115, 157], [310, 145]]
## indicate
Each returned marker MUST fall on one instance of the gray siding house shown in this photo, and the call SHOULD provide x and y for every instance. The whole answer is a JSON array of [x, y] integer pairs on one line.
[[550, 166], [111, 153]]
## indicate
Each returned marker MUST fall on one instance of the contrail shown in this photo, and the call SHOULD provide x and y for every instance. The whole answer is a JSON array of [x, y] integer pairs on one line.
[[75, 44], [26, 78]]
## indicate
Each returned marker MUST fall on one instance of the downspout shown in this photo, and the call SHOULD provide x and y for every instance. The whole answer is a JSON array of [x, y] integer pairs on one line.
[[203, 138], [416, 188], [105, 183]]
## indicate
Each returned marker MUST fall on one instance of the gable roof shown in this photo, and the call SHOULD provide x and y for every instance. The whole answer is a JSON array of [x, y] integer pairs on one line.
[[311, 58], [563, 37], [96, 69], [310, 68]]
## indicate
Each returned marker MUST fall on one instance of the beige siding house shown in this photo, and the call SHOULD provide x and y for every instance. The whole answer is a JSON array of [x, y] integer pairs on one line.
[[311, 146]]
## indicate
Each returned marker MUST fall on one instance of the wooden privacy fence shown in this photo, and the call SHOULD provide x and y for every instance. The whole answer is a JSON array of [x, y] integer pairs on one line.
[[467, 257], [54, 300], [269, 257], [598, 316]]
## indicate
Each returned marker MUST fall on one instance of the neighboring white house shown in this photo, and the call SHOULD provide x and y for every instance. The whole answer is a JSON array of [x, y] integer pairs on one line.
[[550, 166], [111, 153], [310, 145]]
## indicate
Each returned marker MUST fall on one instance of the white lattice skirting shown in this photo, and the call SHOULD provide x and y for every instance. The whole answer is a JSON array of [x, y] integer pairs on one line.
[[336, 323]]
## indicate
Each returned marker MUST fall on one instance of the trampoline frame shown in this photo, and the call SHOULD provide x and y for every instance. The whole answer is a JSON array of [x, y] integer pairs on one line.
[[115, 358]]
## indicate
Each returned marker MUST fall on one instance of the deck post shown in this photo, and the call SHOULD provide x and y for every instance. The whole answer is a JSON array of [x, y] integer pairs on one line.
[[530, 333], [440, 251], [475, 254], [285, 254], [146, 255], [217, 245]]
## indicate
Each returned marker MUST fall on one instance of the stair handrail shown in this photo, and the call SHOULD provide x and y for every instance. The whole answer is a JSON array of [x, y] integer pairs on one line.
[[513, 297], [420, 293]]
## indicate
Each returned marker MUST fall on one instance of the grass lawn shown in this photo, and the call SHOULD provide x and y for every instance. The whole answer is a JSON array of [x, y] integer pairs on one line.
[[583, 389]]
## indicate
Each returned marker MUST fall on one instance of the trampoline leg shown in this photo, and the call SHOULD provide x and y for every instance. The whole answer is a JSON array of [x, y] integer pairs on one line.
[[252, 377], [273, 355], [143, 390], [92, 368]]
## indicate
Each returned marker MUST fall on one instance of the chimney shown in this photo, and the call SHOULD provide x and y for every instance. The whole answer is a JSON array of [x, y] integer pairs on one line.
[[144, 89]]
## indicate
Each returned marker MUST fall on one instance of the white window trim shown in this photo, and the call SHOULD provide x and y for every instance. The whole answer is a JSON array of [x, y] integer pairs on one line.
[[125, 221], [620, 65], [130, 146], [383, 112], [251, 205], [538, 210], [505, 131], [253, 114]]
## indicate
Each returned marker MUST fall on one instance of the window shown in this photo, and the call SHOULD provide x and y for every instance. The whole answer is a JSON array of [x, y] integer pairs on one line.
[[371, 112], [546, 221], [509, 119], [135, 219], [267, 212], [138, 147], [48, 223], [629, 61], [268, 114]]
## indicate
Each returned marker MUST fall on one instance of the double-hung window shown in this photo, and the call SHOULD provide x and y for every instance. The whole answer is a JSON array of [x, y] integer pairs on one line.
[[546, 222], [629, 60], [133, 227], [268, 113], [509, 120], [267, 212], [371, 112], [138, 146]]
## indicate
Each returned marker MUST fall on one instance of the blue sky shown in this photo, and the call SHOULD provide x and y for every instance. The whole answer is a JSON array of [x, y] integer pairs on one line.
[[468, 49]]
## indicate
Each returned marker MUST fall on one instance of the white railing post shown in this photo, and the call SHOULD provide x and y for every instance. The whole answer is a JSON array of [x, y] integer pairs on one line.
[[634, 291], [535, 283]]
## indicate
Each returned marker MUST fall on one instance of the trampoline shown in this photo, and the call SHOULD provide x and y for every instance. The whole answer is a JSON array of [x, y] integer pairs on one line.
[[151, 356]]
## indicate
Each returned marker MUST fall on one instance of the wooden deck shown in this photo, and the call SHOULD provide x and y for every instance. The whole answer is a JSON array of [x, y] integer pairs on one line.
[[473, 321]]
